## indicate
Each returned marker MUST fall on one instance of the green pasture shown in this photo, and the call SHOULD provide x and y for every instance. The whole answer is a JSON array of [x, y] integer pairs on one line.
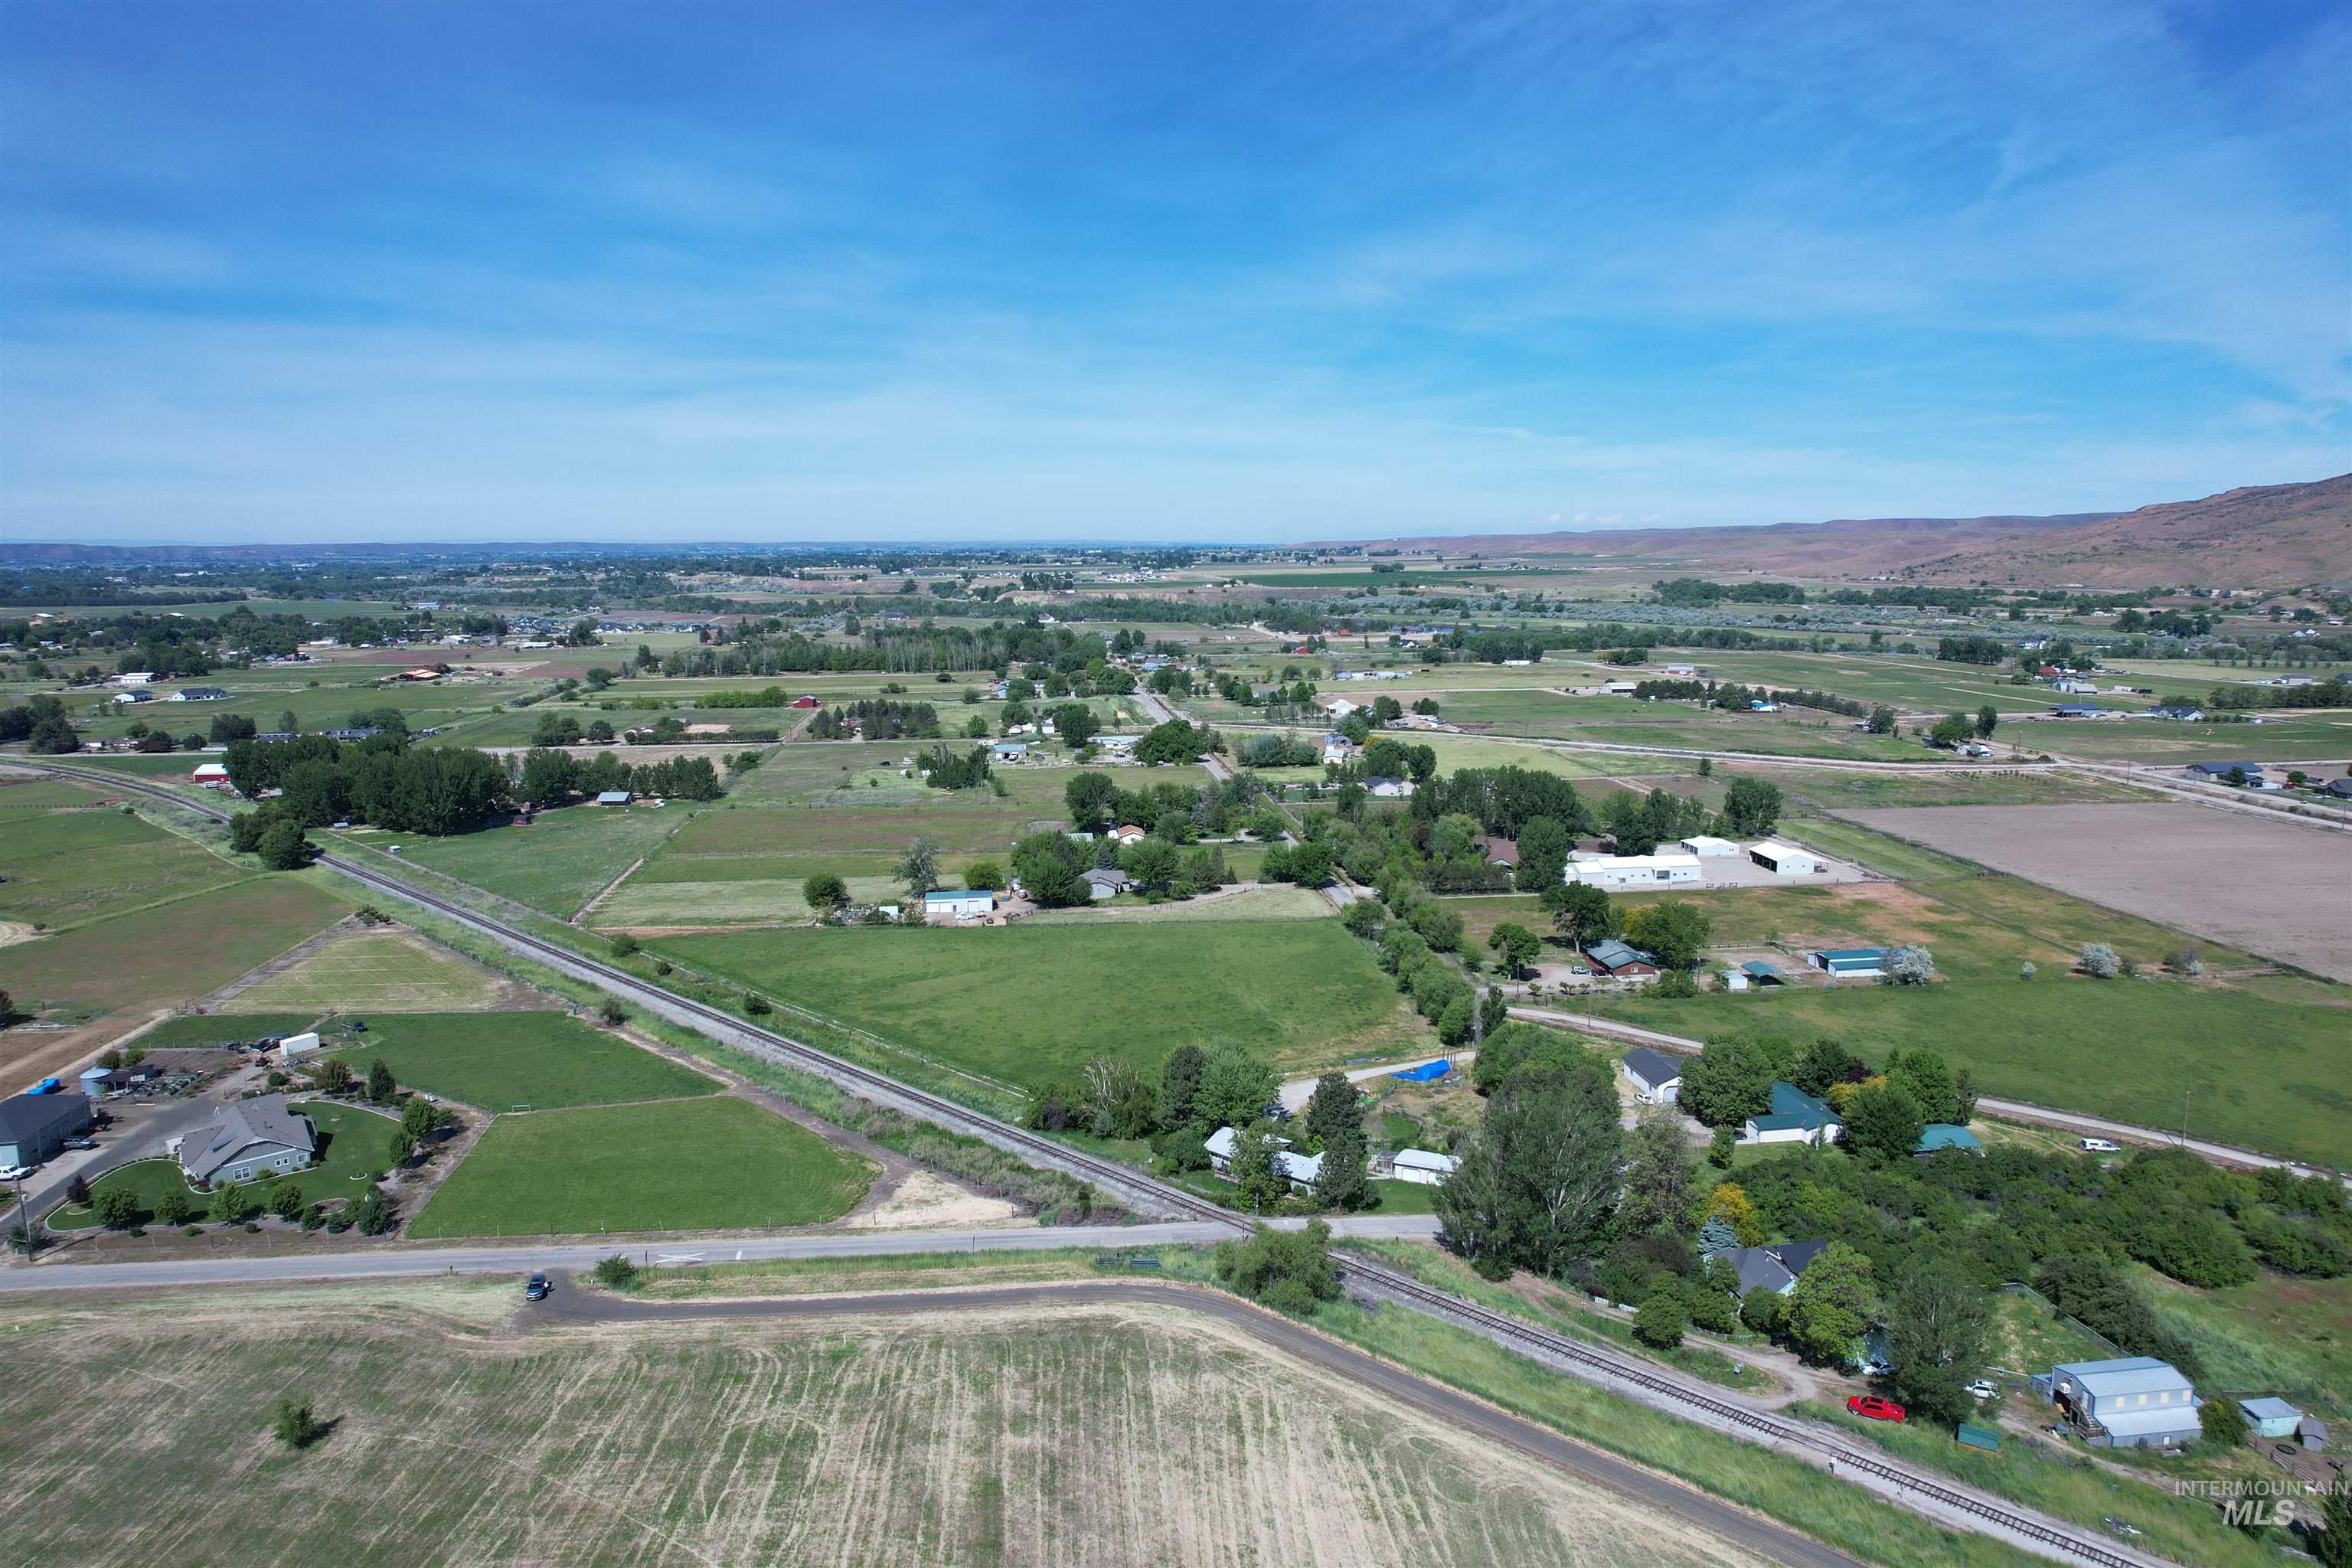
[[713, 1163], [510, 1061], [1027, 1001]]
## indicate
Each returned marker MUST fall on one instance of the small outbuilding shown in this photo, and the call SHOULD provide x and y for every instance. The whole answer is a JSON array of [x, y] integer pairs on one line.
[[210, 773], [2270, 1417], [614, 797], [297, 1045], [1423, 1167], [1941, 1135], [33, 1127], [1706, 845], [1106, 882], [1657, 1078], [1666, 869], [1621, 961]]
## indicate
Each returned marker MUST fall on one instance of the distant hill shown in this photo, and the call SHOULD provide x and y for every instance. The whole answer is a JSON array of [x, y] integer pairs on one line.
[[2260, 536]]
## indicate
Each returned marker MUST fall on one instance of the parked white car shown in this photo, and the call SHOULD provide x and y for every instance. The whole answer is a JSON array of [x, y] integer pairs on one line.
[[2099, 1146], [15, 1173], [1982, 1388]]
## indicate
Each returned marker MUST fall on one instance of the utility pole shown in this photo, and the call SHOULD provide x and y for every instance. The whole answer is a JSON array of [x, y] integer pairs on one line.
[[24, 1216], [2184, 1118]]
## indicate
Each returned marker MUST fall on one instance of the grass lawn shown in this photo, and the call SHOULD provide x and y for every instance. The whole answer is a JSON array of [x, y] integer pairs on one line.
[[358, 1150], [69, 866], [559, 862], [202, 1029], [1875, 851], [170, 952], [1993, 786], [506, 1061], [1278, 902], [1028, 1001], [715, 1163], [369, 972]]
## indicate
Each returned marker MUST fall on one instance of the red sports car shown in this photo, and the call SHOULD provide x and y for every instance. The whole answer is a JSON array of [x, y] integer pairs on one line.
[[1874, 1407]]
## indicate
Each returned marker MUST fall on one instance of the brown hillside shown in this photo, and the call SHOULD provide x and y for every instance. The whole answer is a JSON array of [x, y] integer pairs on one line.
[[2259, 536]]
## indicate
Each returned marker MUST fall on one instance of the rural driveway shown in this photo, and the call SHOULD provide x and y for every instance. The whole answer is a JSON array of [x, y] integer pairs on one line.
[[1401, 1389], [139, 1132], [521, 1259], [1296, 1091]]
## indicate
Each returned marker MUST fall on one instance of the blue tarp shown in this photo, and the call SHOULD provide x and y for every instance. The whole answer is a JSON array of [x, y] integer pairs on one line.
[[1426, 1072]]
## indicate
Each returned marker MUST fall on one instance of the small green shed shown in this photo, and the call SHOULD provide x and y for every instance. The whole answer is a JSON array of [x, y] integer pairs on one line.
[[1983, 1437]]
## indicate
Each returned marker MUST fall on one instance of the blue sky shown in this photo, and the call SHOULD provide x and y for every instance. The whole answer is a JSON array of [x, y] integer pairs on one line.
[[301, 272]]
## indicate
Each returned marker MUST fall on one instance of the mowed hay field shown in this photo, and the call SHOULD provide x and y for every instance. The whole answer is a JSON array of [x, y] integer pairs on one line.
[[67, 866], [1028, 1001], [107, 975], [372, 972], [714, 1163], [1061, 1435], [559, 862], [505, 1061]]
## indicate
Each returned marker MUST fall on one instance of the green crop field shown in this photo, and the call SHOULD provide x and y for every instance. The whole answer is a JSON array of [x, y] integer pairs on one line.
[[2303, 737], [1027, 1001], [370, 972], [169, 952], [559, 862], [714, 1163], [69, 866], [357, 1150], [506, 1061], [1993, 786]]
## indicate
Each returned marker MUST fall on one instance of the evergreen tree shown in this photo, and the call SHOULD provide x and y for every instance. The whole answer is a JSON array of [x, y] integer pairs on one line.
[[1343, 1181]]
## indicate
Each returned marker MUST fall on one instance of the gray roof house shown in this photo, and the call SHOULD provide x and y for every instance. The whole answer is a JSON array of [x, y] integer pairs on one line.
[[32, 1126], [1106, 882], [1775, 1266], [249, 1140]]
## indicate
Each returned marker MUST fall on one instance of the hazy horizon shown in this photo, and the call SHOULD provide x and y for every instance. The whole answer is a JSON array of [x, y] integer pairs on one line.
[[306, 275]]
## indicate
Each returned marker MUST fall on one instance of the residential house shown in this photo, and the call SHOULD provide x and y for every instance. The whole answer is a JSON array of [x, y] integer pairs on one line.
[[2340, 788], [2079, 711], [1008, 752], [1301, 1168], [1621, 961], [1387, 787], [1665, 868], [1336, 748], [1849, 963], [1794, 1117], [1786, 859], [135, 678], [1657, 1078], [1495, 851], [199, 694], [958, 904], [1117, 745], [2217, 773], [1775, 1266], [1339, 708], [249, 1140], [2184, 715], [128, 698], [1128, 833], [33, 1127], [1107, 883], [2130, 1402]]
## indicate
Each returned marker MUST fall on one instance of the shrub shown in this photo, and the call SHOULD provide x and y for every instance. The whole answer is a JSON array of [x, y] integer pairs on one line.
[[2100, 961], [295, 1424], [1910, 966], [2025, 970], [624, 945], [616, 1272], [1287, 1271], [613, 1013], [1659, 1323], [1674, 985], [756, 1004], [1763, 1309]]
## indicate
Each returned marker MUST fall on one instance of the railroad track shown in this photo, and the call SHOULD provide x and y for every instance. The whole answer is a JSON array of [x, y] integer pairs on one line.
[[1592, 1361]]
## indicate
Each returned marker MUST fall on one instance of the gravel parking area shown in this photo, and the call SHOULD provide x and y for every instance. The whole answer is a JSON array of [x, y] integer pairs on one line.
[[2274, 887]]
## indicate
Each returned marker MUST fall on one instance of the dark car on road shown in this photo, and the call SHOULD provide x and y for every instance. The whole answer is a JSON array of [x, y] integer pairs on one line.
[[536, 1288]]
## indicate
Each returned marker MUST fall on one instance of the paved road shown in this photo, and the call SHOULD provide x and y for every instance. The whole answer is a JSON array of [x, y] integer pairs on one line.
[[520, 1257], [1394, 1386], [2009, 1109]]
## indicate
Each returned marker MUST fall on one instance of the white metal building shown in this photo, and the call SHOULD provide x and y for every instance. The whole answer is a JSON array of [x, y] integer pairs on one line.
[[1423, 1167], [1786, 859], [1705, 844], [1668, 869]]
